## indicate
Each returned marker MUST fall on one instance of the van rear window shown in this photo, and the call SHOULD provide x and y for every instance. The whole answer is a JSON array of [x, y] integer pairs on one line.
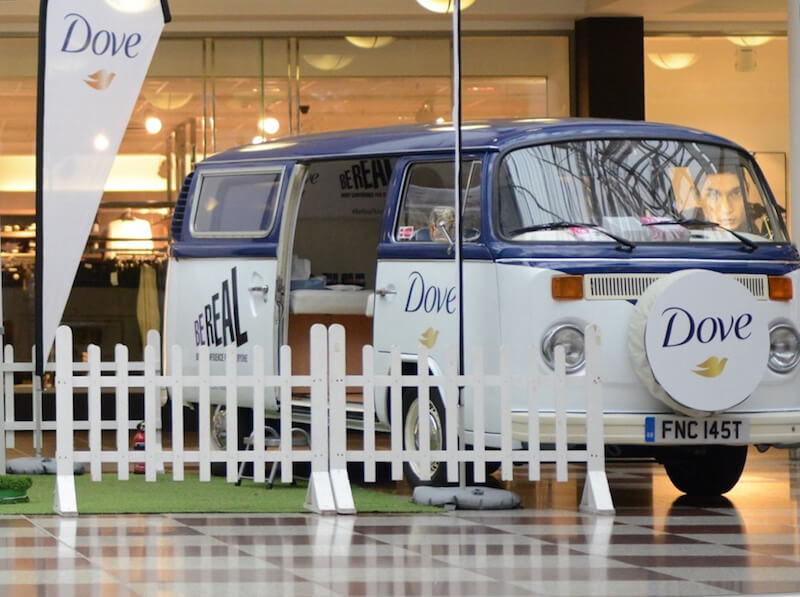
[[236, 203]]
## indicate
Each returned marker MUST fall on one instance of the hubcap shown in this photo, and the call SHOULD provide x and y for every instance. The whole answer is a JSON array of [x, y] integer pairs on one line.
[[412, 436], [218, 428]]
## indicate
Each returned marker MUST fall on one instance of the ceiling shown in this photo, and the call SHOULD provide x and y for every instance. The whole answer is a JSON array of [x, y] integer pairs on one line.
[[315, 16]]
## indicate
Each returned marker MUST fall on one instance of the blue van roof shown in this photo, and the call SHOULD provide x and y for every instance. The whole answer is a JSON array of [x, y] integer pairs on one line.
[[490, 134]]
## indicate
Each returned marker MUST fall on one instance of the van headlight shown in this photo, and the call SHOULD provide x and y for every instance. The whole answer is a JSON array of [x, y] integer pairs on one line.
[[571, 338], [784, 347]]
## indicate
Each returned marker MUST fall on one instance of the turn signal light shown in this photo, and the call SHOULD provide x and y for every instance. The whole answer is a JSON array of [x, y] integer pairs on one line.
[[780, 288], [567, 287]]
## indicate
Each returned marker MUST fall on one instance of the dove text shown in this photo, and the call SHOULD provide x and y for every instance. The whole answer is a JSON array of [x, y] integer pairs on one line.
[[429, 297], [682, 327], [80, 37]]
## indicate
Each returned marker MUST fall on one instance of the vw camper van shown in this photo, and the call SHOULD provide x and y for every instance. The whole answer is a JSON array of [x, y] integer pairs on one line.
[[668, 238]]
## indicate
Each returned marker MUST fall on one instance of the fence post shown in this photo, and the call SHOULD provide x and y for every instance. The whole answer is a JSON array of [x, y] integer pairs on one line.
[[560, 384], [231, 415], [93, 399], [121, 409], [258, 414], [368, 396], [65, 501], [3, 412], [596, 493], [319, 497], [204, 413], [177, 413], [8, 394], [337, 428], [151, 406], [154, 340]]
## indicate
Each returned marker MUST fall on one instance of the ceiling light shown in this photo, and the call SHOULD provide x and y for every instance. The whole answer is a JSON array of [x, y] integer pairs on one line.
[[328, 61], [672, 60], [152, 125], [269, 125], [749, 41], [444, 6], [169, 100], [370, 43]]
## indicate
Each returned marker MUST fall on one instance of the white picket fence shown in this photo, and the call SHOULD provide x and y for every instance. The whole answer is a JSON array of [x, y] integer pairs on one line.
[[330, 451], [10, 368]]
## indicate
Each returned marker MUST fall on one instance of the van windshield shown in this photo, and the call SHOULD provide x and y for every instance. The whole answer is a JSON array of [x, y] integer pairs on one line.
[[644, 190]]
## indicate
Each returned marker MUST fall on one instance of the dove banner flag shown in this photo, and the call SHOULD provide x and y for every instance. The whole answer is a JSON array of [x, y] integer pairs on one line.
[[93, 57]]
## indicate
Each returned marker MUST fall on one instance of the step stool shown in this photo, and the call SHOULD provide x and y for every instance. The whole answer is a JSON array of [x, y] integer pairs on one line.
[[272, 439]]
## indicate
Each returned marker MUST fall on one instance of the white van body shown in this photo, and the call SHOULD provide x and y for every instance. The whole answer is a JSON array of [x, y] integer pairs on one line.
[[564, 223]]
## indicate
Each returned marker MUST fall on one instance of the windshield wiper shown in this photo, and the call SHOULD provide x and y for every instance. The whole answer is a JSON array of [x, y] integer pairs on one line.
[[699, 223], [563, 224]]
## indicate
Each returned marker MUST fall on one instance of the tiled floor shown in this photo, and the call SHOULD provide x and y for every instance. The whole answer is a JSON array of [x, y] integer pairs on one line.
[[657, 543]]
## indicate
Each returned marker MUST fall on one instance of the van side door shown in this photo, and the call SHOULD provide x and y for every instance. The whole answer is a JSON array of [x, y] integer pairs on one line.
[[222, 277]]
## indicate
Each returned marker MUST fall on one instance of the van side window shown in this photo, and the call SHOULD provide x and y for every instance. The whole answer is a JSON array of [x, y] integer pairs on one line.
[[427, 213], [236, 203]]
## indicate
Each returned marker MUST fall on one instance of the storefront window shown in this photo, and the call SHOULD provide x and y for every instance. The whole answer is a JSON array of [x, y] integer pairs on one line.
[[734, 87]]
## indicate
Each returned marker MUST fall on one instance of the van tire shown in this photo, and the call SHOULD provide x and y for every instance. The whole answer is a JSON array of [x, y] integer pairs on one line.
[[244, 426], [438, 436], [706, 470]]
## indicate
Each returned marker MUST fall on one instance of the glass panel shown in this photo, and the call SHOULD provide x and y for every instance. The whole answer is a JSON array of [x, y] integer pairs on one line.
[[644, 190], [237, 204], [712, 84], [427, 212]]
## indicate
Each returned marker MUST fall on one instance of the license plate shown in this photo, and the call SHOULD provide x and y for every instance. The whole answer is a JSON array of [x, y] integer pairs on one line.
[[685, 430]]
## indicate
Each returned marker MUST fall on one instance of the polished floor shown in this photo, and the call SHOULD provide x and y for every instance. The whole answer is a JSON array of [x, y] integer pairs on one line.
[[657, 543]]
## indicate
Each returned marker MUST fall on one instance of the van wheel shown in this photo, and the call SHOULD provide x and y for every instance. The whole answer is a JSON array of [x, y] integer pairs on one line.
[[219, 437], [704, 470], [436, 420]]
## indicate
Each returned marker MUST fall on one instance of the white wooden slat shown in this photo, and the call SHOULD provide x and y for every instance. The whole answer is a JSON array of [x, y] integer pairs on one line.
[[65, 501], [36, 397], [423, 451], [337, 397], [506, 459], [151, 405], [286, 453], [8, 396], [232, 415], [534, 439], [177, 414], [368, 397], [121, 399], [560, 381], [478, 414], [594, 400], [204, 413], [319, 400], [396, 414], [258, 414], [154, 340], [93, 400], [453, 416]]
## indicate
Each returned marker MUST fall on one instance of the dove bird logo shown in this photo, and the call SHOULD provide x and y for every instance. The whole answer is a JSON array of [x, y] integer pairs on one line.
[[711, 367], [100, 79], [428, 337]]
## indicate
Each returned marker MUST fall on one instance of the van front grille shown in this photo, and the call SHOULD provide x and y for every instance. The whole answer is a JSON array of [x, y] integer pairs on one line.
[[630, 287]]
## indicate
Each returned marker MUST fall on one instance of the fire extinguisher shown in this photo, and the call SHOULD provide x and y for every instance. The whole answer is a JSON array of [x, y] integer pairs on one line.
[[138, 444]]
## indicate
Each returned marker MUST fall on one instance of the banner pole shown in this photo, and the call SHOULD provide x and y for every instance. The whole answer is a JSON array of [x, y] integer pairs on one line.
[[39, 267], [459, 261]]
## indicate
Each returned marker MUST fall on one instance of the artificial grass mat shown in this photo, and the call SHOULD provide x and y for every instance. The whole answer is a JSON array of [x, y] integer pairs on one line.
[[136, 496]]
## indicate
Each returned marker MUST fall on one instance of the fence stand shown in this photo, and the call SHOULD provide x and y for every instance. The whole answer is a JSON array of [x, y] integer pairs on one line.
[[65, 501], [596, 493], [320, 496]]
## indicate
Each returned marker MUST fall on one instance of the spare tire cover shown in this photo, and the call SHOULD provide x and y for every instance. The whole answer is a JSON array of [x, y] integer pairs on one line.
[[699, 341]]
